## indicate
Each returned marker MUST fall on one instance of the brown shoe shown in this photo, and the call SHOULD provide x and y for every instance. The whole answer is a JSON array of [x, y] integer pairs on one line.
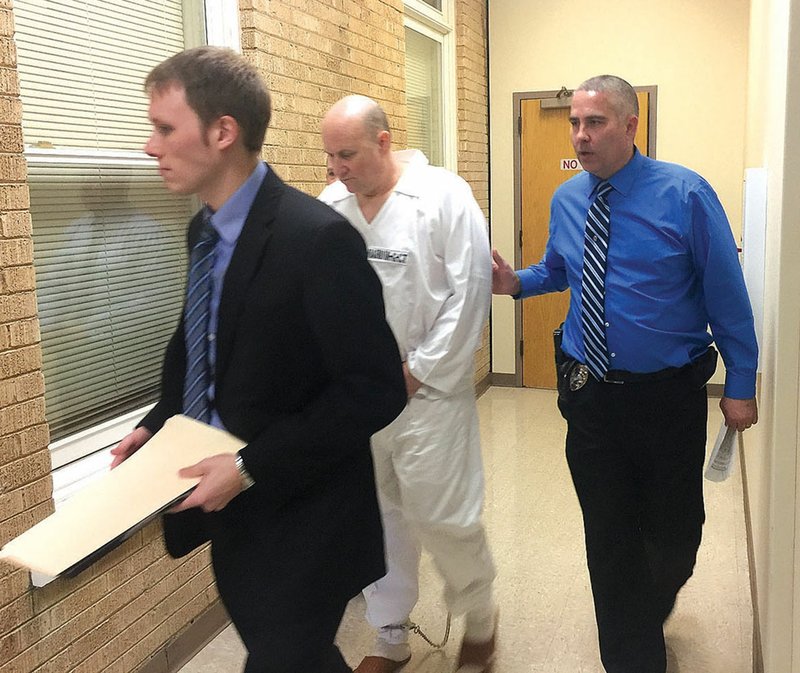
[[476, 657], [380, 665]]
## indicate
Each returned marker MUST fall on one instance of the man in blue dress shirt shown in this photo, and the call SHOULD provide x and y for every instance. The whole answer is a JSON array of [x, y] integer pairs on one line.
[[632, 387]]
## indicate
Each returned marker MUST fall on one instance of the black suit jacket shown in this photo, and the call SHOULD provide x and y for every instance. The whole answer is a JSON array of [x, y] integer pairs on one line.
[[307, 369]]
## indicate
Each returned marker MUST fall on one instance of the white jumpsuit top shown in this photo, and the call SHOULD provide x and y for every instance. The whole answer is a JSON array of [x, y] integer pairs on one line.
[[430, 248]]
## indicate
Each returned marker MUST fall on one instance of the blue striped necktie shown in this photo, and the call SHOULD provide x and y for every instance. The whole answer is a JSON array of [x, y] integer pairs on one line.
[[195, 322], [595, 251]]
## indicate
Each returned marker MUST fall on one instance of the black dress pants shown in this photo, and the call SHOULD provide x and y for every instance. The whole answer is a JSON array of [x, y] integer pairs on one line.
[[288, 623], [635, 453]]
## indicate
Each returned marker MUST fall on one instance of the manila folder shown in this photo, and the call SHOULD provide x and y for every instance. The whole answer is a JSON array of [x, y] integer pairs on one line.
[[113, 507]]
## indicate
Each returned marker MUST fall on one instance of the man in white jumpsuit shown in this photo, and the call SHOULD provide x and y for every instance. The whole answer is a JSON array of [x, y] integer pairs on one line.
[[427, 240]]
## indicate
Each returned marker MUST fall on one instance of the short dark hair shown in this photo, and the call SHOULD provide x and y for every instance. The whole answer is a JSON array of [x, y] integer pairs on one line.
[[625, 100], [218, 82], [375, 119]]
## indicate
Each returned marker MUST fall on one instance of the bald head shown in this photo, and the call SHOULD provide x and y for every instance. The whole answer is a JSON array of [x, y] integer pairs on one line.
[[356, 137], [362, 110]]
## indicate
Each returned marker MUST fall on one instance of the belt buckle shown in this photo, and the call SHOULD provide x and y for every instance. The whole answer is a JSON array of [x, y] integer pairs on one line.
[[578, 376], [616, 382]]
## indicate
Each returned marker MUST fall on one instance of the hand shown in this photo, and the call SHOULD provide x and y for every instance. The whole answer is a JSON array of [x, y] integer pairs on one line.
[[739, 414], [220, 482], [130, 444], [413, 384], [504, 279]]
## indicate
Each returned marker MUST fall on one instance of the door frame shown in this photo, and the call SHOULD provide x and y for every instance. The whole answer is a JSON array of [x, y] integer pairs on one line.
[[518, 99]]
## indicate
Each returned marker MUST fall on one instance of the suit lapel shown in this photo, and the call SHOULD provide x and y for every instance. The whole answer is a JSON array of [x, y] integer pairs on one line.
[[246, 260]]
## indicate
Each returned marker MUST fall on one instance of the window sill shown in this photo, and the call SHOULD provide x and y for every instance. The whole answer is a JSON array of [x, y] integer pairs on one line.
[[72, 451], [81, 458]]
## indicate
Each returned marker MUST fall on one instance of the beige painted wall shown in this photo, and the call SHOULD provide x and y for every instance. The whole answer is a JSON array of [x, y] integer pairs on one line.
[[771, 448], [696, 53]]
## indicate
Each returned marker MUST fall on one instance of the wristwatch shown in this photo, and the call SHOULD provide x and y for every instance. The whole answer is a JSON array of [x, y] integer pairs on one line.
[[247, 480]]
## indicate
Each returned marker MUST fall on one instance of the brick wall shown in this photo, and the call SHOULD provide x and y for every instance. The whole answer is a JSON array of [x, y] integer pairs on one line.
[[473, 122], [25, 484], [313, 56], [125, 613]]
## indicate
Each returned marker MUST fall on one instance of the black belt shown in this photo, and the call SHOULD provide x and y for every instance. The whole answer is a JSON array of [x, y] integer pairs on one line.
[[704, 366], [621, 376]]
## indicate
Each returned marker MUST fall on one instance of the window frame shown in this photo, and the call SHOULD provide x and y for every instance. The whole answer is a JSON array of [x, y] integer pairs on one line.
[[221, 19], [439, 26]]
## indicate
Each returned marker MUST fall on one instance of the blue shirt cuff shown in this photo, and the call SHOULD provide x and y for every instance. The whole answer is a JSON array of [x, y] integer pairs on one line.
[[739, 386], [526, 277]]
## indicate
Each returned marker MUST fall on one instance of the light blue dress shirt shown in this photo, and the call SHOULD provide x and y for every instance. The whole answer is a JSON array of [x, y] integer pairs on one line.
[[673, 270], [228, 222]]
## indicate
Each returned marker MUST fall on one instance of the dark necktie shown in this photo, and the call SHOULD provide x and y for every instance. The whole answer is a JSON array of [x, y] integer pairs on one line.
[[595, 250], [195, 323]]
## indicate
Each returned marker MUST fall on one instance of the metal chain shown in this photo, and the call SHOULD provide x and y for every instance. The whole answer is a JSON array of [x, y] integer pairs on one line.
[[415, 628]]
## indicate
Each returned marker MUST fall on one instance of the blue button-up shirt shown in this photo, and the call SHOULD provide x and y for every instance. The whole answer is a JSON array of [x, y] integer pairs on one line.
[[672, 271], [228, 222]]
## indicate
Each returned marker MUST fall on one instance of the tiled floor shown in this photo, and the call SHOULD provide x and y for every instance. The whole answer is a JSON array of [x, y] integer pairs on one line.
[[546, 618]]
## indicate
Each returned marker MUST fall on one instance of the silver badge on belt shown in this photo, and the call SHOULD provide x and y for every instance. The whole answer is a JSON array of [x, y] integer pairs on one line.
[[578, 376]]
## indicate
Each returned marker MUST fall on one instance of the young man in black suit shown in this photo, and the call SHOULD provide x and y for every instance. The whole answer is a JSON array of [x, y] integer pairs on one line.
[[301, 365]]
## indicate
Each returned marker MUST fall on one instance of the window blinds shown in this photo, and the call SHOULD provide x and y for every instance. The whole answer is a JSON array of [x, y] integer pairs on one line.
[[424, 95], [82, 65], [109, 247], [110, 262]]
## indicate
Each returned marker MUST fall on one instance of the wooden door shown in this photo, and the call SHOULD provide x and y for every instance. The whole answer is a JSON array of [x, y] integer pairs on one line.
[[546, 160]]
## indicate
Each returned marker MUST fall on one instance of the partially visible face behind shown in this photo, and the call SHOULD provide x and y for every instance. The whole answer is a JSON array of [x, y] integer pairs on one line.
[[330, 176], [186, 158], [601, 136], [355, 157]]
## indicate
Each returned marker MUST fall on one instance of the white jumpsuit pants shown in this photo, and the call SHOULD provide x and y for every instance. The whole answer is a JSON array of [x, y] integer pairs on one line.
[[429, 473]]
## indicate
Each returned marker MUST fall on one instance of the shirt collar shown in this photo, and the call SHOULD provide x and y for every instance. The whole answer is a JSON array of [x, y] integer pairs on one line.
[[412, 183], [623, 179], [229, 219]]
